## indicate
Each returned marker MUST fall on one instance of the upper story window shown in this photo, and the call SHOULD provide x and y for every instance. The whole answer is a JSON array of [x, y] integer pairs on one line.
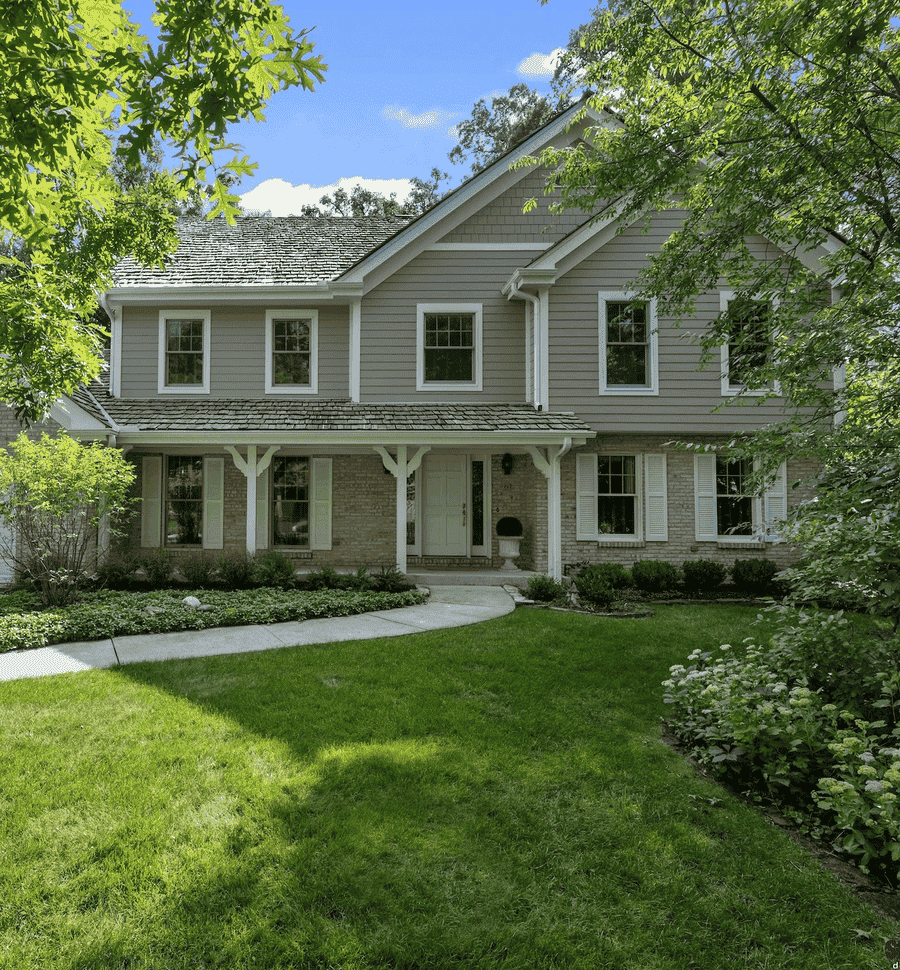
[[628, 345], [749, 343], [449, 346], [292, 351], [184, 352]]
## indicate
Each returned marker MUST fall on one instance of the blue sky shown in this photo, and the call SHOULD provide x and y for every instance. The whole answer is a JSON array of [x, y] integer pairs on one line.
[[400, 75]]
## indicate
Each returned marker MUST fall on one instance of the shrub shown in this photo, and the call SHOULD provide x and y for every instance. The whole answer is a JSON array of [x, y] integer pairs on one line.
[[653, 576], [703, 574], [754, 575], [389, 580], [117, 571], [325, 578], [273, 569], [158, 567], [196, 571], [612, 573], [595, 589], [236, 570], [544, 589]]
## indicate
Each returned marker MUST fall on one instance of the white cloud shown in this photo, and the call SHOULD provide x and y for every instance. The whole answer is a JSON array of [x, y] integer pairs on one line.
[[427, 119], [284, 199], [540, 65]]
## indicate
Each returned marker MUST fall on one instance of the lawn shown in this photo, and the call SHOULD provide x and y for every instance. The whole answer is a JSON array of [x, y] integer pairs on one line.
[[490, 796]]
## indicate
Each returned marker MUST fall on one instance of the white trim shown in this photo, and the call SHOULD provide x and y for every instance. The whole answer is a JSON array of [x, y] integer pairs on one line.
[[182, 313], [115, 346], [603, 297], [543, 345], [294, 314], [355, 348], [477, 334], [464, 247], [764, 508], [71, 416]]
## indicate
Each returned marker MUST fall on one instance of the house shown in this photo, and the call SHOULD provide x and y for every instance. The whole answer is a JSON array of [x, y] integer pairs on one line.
[[383, 391]]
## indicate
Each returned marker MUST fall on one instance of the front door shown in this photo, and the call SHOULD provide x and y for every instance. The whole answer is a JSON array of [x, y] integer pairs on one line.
[[446, 491]]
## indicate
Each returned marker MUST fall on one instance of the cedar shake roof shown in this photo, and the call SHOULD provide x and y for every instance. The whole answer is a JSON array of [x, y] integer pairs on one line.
[[263, 250], [288, 415]]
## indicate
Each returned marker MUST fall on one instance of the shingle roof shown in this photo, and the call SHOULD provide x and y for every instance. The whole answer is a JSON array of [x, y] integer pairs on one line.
[[263, 250], [324, 415]]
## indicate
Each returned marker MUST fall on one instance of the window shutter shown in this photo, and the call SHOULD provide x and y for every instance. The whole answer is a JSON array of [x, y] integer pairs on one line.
[[320, 505], [213, 502], [775, 504], [705, 497], [656, 498], [586, 497], [262, 509], [151, 506]]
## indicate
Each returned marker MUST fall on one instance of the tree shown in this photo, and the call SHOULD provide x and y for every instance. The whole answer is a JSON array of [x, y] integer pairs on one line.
[[783, 121], [55, 495], [73, 72], [366, 202]]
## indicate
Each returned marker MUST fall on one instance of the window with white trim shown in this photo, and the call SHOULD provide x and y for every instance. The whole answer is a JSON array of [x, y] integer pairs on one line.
[[292, 351], [449, 346], [726, 511], [290, 501], [184, 500], [621, 498], [628, 345], [749, 344], [184, 338]]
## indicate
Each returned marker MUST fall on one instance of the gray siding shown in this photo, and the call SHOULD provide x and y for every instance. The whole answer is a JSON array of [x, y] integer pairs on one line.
[[686, 396], [237, 352], [388, 353], [502, 221]]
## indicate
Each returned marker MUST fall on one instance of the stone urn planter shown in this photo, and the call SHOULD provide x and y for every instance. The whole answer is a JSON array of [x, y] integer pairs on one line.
[[510, 533]]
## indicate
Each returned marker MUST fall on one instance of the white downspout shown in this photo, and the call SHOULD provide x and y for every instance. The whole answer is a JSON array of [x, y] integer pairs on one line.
[[115, 345], [537, 338]]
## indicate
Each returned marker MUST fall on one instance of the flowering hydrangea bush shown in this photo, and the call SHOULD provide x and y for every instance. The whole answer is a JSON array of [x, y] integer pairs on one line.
[[764, 715]]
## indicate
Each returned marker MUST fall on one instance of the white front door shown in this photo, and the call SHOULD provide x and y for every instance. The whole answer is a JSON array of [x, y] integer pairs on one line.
[[445, 494]]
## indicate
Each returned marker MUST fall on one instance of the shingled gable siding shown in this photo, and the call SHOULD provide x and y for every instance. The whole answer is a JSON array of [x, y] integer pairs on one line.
[[682, 543], [237, 348], [502, 221], [686, 396], [388, 333]]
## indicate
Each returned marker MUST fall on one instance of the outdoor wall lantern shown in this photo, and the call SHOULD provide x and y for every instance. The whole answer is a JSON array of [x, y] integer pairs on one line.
[[506, 463]]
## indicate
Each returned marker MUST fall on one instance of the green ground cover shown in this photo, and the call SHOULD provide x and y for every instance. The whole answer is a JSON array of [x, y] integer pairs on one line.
[[491, 796]]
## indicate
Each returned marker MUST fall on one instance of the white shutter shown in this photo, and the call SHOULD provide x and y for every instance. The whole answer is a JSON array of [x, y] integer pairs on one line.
[[213, 502], [151, 505], [656, 498], [262, 509], [320, 504], [586, 497], [705, 497], [775, 504]]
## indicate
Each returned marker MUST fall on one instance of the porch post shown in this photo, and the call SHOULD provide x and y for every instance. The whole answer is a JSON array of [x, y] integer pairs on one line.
[[550, 469], [401, 469], [251, 468]]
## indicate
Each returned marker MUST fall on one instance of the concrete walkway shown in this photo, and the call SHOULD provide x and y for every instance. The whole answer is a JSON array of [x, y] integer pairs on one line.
[[446, 607]]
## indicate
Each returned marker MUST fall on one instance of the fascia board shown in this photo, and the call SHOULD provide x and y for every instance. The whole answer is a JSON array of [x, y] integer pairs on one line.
[[218, 294], [72, 417], [467, 200], [337, 438]]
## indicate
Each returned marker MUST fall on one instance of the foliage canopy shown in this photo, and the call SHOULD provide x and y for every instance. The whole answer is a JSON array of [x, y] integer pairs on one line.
[[76, 73]]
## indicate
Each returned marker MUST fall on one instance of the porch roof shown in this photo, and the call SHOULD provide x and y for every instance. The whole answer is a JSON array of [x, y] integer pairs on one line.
[[270, 418]]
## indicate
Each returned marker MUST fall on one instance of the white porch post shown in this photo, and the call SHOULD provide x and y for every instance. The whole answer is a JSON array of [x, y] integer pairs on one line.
[[550, 469], [401, 469], [251, 469]]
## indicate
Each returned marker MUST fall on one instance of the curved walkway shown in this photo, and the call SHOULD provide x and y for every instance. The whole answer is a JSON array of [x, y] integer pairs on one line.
[[446, 607]]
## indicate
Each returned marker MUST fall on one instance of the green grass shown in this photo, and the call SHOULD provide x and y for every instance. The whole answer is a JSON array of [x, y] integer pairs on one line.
[[492, 796]]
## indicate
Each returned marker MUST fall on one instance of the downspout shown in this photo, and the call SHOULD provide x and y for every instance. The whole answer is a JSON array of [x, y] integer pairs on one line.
[[115, 352], [535, 302]]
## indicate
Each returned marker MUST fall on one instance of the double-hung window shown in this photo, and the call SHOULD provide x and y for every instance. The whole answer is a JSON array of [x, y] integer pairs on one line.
[[621, 498], [749, 343], [628, 345], [184, 352], [184, 500], [292, 351], [727, 511], [290, 501], [449, 346]]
